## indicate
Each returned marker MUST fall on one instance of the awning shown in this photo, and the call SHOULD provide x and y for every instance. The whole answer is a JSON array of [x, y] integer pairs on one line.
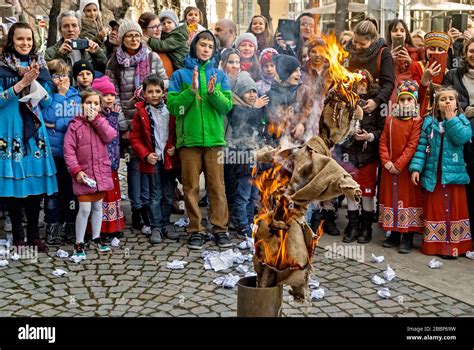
[[443, 6], [331, 9]]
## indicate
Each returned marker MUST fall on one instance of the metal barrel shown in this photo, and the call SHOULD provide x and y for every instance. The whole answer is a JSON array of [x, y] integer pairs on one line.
[[258, 302]]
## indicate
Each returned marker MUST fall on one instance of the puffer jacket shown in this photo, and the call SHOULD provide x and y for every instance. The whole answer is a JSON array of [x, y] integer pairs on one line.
[[85, 149], [174, 44], [425, 161], [123, 80], [454, 78], [61, 111]]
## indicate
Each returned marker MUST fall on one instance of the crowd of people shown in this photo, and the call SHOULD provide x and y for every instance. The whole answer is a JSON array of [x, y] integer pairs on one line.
[[168, 96]]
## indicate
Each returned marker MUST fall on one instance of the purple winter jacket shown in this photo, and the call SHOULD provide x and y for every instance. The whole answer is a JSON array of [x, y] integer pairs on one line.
[[85, 149]]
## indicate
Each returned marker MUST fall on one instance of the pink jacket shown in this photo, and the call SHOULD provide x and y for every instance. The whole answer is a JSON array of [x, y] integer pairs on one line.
[[85, 150]]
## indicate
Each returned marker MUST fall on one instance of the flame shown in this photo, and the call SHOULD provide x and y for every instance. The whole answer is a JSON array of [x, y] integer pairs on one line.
[[342, 78]]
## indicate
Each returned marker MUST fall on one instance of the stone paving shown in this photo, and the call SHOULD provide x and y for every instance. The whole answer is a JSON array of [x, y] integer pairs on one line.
[[133, 281]]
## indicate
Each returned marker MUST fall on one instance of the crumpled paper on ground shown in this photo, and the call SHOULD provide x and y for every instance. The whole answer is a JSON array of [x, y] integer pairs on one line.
[[3, 263], [76, 259], [435, 264], [115, 242], [378, 280], [182, 222], [242, 269], [59, 272], [377, 259], [15, 257], [228, 281], [176, 264], [247, 244], [62, 254], [470, 255], [225, 260], [384, 293], [389, 274], [317, 294], [313, 283]]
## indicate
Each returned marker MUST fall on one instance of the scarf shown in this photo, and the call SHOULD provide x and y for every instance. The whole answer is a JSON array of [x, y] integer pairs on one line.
[[139, 61], [363, 57], [246, 64], [14, 66]]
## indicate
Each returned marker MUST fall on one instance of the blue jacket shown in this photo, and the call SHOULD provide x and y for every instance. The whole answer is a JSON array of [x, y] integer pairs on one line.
[[425, 161], [61, 111]]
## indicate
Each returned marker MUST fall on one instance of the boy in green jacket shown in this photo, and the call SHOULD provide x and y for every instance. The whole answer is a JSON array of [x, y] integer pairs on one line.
[[199, 96]]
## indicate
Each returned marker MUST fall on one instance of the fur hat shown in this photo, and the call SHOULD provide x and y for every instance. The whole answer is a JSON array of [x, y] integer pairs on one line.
[[128, 26]]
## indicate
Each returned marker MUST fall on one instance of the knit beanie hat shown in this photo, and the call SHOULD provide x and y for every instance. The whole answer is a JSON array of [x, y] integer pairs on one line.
[[408, 87], [104, 85], [266, 55], [84, 3], [285, 66], [438, 39], [244, 83], [128, 26], [246, 37], [171, 15], [81, 65]]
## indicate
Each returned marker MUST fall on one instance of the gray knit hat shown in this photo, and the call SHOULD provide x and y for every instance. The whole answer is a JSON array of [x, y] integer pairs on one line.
[[246, 37], [244, 83], [171, 15], [128, 26]]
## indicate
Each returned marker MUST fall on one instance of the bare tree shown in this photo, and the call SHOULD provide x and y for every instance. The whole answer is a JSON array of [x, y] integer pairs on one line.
[[342, 13], [202, 6], [265, 9], [53, 22]]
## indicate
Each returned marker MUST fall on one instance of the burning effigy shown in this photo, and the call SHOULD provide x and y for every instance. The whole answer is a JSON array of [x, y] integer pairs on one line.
[[300, 174]]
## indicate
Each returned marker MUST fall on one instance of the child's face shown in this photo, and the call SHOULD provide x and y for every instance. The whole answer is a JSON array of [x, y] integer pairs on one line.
[[204, 49], [232, 66], [109, 100], [269, 70], [406, 103], [247, 50], [250, 97], [295, 77], [304, 55], [153, 94], [192, 17], [91, 11], [154, 28], [361, 88], [84, 79], [91, 106], [57, 77], [315, 55], [168, 25], [446, 98], [258, 25], [398, 32]]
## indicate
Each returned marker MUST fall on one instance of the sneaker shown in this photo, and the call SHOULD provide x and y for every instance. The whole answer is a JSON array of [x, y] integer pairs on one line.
[[223, 240], [146, 230], [79, 251], [53, 234], [42, 247], [170, 233], [8, 224], [244, 233], [155, 237], [196, 241], [100, 246]]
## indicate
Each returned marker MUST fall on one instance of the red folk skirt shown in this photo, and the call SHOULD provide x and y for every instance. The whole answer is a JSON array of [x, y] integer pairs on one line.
[[366, 177], [447, 230], [112, 213], [400, 203]]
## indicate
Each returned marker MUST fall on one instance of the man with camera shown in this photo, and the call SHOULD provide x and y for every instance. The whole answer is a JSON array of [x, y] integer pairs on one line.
[[71, 48]]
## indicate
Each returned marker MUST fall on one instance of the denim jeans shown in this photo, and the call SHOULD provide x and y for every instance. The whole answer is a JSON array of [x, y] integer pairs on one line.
[[246, 197], [137, 185], [61, 206], [161, 188]]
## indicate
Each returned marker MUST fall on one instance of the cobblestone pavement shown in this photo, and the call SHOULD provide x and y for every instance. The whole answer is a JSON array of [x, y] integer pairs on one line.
[[134, 281]]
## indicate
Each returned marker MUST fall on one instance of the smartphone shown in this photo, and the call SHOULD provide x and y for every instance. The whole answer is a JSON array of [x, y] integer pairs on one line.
[[286, 28], [79, 44], [398, 41], [442, 59], [362, 103], [459, 21]]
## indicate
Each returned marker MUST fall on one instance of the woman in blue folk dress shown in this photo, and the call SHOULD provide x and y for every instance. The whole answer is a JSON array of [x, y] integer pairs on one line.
[[27, 169]]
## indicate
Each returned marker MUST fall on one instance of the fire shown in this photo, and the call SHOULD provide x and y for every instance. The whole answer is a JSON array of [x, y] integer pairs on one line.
[[342, 78]]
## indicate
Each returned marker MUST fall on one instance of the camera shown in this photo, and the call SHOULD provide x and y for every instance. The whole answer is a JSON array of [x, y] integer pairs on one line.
[[79, 44]]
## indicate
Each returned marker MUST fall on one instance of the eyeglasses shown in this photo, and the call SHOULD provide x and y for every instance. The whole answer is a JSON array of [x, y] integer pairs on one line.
[[59, 76], [133, 36], [233, 62], [154, 27]]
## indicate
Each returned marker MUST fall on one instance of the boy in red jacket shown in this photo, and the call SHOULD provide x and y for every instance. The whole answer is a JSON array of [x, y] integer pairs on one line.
[[153, 138]]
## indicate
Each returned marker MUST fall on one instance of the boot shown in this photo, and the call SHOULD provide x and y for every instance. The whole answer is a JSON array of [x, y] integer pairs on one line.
[[392, 241], [145, 216], [407, 243], [137, 219], [367, 218], [54, 234], [204, 202], [329, 224], [316, 219], [351, 232], [70, 232]]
